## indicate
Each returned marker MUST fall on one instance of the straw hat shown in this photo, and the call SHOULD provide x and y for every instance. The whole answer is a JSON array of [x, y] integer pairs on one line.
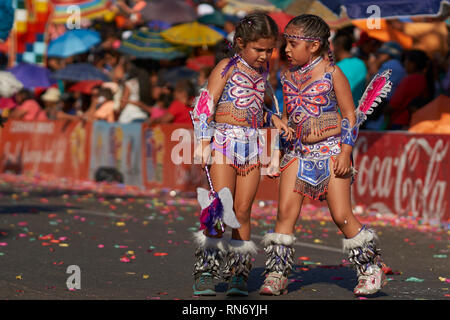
[[51, 95]]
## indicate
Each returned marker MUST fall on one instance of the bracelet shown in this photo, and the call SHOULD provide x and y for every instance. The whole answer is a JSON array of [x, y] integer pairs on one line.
[[349, 134]]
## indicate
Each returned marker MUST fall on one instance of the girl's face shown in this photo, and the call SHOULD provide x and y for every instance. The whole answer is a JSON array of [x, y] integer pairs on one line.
[[299, 52], [256, 53]]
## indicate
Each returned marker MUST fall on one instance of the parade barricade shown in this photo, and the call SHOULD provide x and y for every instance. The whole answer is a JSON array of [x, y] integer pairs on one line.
[[398, 172]]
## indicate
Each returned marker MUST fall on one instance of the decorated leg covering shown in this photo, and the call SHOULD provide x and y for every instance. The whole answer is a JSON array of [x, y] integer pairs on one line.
[[238, 265], [364, 256], [209, 256], [279, 263]]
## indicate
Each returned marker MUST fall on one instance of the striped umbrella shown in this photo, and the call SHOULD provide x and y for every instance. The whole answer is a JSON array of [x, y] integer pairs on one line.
[[147, 44], [192, 34], [67, 10]]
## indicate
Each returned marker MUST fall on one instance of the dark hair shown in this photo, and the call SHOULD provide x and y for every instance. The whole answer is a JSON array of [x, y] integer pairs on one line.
[[186, 86], [344, 41], [143, 78], [106, 92], [422, 62], [315, 27], [26, 94], [254, 26]]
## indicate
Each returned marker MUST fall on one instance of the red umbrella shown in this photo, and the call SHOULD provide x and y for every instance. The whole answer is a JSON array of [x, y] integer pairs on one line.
[[86, 86], [281, 19], [200, 62]]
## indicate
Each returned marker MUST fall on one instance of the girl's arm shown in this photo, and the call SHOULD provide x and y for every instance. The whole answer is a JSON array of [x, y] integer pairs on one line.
[[216, 82], [347, 108], [206, 103]]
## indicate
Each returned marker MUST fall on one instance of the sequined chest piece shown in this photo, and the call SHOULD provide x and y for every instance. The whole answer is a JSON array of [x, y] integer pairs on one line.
[[243, 96], [312, 101]]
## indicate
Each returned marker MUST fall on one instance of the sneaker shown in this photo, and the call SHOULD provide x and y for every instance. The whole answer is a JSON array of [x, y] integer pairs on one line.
[[370, 283], [275, 284], [237, 286], [204, 285]]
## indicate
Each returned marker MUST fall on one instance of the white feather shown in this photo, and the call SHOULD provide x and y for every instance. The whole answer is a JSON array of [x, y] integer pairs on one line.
[[205, 242], [278, 238], [242, 246]]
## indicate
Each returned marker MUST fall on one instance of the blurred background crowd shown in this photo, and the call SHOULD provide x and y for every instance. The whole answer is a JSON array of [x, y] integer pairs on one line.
[[144, 60]]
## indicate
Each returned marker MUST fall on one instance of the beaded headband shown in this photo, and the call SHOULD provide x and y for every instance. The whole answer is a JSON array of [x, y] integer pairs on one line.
[[296, 37]]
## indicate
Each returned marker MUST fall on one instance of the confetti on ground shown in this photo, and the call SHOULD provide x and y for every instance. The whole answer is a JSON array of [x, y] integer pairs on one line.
[[414, 279], [160, 254]]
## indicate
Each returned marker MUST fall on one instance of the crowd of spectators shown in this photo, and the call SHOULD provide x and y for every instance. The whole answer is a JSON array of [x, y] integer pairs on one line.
[[140, 91]]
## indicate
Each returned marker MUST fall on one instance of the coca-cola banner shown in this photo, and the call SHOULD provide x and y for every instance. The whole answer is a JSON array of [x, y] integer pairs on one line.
[[403, 173]]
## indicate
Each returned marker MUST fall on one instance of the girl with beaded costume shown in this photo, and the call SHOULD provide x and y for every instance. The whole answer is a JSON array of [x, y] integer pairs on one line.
[[316, 163], [228, 115]]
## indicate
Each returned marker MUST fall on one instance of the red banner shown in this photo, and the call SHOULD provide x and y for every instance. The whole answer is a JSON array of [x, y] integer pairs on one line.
[[58, 148], [403, 173], [398, 172]]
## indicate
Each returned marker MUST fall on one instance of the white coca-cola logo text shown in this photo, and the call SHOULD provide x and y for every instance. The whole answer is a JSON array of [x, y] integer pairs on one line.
[[398, 183]]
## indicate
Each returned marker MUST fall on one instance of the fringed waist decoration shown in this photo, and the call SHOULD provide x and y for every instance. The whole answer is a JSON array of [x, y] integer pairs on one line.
[[242, 146], [307, 125], [314, 172]]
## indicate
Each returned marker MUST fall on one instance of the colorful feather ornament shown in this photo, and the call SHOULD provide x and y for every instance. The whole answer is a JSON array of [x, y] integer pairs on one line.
[[203, 104], [217, 208], [377, 89]]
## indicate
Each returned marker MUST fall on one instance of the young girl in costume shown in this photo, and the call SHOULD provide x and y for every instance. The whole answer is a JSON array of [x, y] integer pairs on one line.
[[227, 118], [317, 163]]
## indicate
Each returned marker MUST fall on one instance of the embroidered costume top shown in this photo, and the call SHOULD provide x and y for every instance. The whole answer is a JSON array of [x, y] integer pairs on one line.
[[242, 99], [313, 114], [235, 126], [313, 107], [320, 130]]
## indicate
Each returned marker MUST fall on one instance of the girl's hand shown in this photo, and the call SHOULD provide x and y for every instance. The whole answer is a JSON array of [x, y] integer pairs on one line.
[[273, 171], [288, 132], [342, 165], [202, 153]]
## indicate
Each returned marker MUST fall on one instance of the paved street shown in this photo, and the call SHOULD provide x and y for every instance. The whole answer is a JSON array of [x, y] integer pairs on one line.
[[140, 248]]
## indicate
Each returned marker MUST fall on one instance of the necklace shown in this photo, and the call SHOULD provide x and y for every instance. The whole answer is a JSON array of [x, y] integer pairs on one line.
[[303, 74], [260, 70]]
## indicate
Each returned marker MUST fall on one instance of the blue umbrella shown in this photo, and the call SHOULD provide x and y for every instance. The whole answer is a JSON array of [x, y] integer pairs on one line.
[[357, 9], [32, 76], [172, 76], [73, 42], [6, 18], [148, 44], [79, 72]]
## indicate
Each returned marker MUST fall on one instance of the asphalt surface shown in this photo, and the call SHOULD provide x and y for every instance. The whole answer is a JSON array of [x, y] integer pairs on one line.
[[141, 248]]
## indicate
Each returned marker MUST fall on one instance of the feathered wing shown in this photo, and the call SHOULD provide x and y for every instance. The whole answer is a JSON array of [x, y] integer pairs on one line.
[[377, 89], [203, 197], [229, 217]]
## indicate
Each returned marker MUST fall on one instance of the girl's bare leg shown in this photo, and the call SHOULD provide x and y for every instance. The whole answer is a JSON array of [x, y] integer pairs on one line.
[[222, 176], [289, 202], [245, 192], [339, 203]]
